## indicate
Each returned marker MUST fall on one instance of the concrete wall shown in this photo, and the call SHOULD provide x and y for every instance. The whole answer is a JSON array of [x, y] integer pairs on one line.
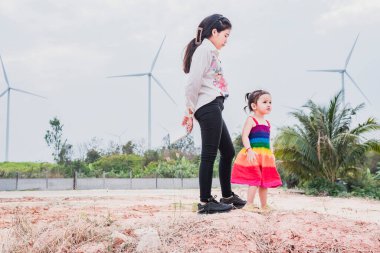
[[100, 183]]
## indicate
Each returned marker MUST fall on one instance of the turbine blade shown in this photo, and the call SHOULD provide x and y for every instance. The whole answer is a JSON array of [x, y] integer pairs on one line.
[[5, 73], [357, 86], [158, 52], [114, 135], [164, 127], [139, 74], [2, 94], [352, 49], [27, 92], [326, 70], [180, 138], [124, 132], [162, 87]]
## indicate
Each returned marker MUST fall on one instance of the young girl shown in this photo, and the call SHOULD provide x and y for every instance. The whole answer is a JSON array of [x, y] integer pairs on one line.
[[255, 164], [206, 91]]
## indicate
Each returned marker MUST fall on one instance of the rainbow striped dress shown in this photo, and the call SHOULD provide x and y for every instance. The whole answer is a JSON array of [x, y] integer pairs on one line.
[[263, 171]]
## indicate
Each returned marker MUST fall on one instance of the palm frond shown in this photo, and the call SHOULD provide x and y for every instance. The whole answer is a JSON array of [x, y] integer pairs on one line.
[[323, 143], [368, 126]]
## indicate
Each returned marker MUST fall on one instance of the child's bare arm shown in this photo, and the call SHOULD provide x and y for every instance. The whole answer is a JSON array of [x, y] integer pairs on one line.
[[249, 123]]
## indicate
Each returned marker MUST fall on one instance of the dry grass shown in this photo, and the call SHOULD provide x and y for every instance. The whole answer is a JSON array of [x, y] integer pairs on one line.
[[69, 235], [197, 233], [207, 234], [114, 224], [251, 232]]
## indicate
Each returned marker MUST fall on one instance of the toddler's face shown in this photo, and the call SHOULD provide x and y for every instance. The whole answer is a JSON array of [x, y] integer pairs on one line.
[[263, 105]]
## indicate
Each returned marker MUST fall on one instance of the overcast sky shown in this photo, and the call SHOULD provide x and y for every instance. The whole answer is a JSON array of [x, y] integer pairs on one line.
[[63, 50]]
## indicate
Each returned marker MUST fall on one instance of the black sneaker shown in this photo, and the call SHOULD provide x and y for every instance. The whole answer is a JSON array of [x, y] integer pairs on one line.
[[213, 206], [235, 200]]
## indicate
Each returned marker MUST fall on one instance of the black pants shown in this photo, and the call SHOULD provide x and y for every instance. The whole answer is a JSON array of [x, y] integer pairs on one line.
[[214, 134]]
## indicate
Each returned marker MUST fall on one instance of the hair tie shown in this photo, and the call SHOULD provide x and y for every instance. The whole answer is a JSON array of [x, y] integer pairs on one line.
[[199, 33]]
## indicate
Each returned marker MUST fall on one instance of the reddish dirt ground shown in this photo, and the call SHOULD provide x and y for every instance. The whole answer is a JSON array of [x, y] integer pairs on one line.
[[164, 221]]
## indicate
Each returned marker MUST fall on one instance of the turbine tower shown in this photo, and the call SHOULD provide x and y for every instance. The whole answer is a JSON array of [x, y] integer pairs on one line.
[[150, 77], [8, 92], [343, 72]]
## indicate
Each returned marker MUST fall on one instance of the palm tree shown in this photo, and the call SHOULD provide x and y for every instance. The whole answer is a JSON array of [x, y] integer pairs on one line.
[[323, 144]]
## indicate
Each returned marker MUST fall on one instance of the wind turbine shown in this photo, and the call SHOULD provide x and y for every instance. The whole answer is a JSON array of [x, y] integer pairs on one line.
[[166, 138], [118, 136], [8, 92], [150, 76], [344, 72]]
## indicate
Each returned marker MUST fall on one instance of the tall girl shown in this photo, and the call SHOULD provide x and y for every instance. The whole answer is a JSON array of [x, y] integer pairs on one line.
[[206, 92]]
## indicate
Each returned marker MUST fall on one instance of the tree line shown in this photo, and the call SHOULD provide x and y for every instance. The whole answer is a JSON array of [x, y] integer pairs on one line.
[[325, 152]]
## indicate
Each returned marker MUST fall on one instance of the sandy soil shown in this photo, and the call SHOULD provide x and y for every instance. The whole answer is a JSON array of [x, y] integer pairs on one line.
[[164, 221]]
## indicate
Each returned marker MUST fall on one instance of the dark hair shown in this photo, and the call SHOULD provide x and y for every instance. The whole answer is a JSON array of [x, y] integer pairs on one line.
[[215, 21], [253, 97]]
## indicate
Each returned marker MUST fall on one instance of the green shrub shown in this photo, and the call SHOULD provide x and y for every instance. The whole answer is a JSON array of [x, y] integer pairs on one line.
[[364, 184], [323, 187], [172, 169], [26, 169], [116, 165]]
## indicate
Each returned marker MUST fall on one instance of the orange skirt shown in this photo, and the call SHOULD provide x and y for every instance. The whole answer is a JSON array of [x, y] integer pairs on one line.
[[262, 172]]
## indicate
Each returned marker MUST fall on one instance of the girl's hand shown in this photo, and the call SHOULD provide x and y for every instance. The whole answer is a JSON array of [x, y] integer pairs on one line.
[[251, 156], [188, 123]]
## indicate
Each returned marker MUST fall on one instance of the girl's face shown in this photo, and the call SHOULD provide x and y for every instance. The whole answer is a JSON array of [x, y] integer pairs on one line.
[[219, 39], [263, 105]]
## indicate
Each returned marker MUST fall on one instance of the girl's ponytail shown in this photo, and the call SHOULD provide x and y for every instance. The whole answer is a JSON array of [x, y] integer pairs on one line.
[[204, 30], [190, 49]]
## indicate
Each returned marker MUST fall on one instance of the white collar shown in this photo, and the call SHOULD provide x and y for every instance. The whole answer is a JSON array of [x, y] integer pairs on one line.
[[209, 45]]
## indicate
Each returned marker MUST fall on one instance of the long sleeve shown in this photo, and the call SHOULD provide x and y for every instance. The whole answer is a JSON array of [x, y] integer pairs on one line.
[[200, 64]]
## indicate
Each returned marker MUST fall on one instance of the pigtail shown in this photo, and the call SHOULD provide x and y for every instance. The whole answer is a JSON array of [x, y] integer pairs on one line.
[[247, 96], [247, 100]]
